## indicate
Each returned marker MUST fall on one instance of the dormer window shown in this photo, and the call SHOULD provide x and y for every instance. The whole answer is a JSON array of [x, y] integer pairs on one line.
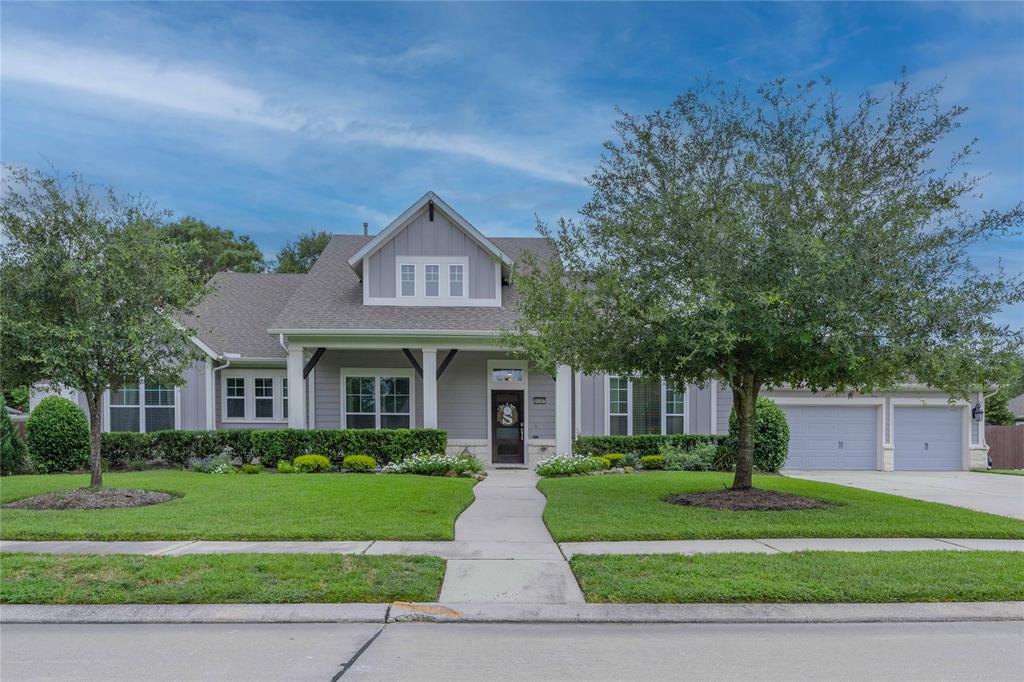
[[432, 277], [408, 282], [456, 281]]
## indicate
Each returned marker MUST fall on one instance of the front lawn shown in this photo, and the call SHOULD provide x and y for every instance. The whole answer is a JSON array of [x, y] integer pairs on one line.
[[1008, 472], [241, 507], [631, 507], [866, 577], [217, 579]]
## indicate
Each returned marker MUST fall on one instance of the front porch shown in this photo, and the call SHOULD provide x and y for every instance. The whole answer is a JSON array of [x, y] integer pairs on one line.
[[498, 407]]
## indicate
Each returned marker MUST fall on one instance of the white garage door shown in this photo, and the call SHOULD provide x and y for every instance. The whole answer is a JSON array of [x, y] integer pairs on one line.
[[928, 438], [832, 437]]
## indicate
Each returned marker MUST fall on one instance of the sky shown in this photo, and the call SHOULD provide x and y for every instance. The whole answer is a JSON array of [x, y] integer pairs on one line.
[[276, 119]]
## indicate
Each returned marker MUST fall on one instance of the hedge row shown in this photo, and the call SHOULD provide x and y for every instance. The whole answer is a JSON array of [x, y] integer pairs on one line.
[[641, 445], [269, 445]]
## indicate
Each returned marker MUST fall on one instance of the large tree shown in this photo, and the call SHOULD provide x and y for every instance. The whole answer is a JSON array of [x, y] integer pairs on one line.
[[89, 289], [777, 239], [300, 255], [212, 249]]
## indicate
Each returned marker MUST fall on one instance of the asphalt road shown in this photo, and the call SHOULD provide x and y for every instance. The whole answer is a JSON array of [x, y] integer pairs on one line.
[[420, 651]]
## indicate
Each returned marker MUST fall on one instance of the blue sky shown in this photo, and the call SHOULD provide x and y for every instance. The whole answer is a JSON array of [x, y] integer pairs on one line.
[[276, 119]]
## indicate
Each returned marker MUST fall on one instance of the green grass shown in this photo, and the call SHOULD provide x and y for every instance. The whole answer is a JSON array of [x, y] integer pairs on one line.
[[632, 507], [802, 577], [263, 507], [217, 579], [1008, 472]]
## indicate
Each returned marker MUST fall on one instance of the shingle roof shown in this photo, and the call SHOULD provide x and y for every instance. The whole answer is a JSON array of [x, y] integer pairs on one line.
[[331, 297], [235, 315], [1016, 405]]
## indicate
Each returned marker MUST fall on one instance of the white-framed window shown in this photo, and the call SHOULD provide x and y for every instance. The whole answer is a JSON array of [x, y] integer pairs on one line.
[[142, 407], [456, 280], [263, 397], [254, 395], [432, 280], [284, 397], [644, 407], [407, 280], [234, 397], [377, 399]]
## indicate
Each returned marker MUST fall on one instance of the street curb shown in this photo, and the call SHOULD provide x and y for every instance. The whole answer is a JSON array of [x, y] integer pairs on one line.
[[405, 612]]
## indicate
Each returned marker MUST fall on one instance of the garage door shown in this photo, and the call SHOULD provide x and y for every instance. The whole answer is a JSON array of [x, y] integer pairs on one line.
[[832, 437], [928, 438]]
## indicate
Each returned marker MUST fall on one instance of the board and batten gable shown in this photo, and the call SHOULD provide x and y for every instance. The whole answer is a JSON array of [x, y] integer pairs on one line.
[[422, 238]]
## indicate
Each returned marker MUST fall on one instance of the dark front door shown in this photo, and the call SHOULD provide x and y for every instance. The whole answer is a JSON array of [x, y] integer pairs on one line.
[[507, 427]]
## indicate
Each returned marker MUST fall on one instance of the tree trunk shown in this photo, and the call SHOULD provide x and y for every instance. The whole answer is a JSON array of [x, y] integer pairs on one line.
[[744, 400], [95, 424]]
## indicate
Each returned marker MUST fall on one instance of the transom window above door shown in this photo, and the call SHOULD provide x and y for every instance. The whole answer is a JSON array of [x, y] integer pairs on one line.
[[377, 399], [644, 407]]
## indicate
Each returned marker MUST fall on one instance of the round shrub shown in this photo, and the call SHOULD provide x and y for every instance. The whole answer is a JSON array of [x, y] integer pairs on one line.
[[252, 468], [359, 463], [771, 436], [311, 464], [614, 459], [13, 455], [58, 436], [605, 464], [285, 467], [652, 462]]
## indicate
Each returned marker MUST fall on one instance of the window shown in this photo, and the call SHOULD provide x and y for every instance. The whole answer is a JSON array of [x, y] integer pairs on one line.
[[456, 276], [235, 392], [432, 275], [124, 409], [618, 406], [378, 399], [408, 280], [159, 407], [675, 410], [141, 407], [507, 375], [263, 397], [284, 398], [645, 407]]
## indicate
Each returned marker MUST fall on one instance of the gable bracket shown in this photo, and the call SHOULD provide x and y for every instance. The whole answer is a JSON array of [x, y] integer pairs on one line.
[[312, 362], [447, 360], [412, 361]]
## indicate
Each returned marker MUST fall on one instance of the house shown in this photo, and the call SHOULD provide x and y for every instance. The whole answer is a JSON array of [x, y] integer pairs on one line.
[[1016, 407], [400, 329]]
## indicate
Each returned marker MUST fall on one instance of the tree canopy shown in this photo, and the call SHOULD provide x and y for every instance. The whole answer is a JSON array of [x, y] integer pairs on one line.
[[777, 239], [213, 249], [300, 255], [89, 290]]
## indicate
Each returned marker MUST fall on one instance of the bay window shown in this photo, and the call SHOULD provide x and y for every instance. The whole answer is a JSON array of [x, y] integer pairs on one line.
[[644, 407], [377, 399], [141, 407]]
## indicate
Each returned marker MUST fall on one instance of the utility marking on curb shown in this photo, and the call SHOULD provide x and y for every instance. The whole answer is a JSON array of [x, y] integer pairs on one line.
[[437, 610]]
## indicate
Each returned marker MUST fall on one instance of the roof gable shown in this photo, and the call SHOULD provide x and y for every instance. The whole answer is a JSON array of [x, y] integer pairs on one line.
[[402, 221]]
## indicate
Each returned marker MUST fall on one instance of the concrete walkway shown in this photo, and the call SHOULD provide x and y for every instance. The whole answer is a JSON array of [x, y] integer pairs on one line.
[[991, 493], [507, 512]]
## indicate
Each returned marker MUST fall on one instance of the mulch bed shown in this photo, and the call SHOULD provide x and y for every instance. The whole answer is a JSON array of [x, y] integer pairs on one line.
[[754, 499], [92, 498]]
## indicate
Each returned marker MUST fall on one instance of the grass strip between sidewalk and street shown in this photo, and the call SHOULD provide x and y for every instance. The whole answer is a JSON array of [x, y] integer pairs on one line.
[[237, 507], [633, 507], [1007, 472], [217, 579], [802, 577]]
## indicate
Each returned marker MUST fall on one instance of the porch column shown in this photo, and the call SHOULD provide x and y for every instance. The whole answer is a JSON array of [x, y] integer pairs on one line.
[[430, 388], [563, 409], [296, 389]]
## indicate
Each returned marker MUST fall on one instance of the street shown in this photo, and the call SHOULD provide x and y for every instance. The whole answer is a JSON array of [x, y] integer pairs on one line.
[[422, 651]]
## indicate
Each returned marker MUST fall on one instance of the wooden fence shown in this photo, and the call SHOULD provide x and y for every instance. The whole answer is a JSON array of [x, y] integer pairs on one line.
[[1006, 446]]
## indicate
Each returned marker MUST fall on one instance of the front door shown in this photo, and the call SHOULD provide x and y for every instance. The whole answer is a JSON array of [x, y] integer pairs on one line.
[[507, 427]]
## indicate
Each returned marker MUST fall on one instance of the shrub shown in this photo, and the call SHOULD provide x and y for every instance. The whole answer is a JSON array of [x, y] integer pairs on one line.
[[285, 467], [771, 437], [311, 464], [652, 462], [699, 458], [219, 463], [640, 445], [605, 464], [425, 464], [614, 459], [384, 445], [252, 468], [565, 465], [58, 436], [13, 454], [359, 463]]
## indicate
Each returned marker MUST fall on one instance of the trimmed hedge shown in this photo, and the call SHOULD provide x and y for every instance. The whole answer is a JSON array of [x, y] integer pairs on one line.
[[57, 436], [175, 448], [641, 445]]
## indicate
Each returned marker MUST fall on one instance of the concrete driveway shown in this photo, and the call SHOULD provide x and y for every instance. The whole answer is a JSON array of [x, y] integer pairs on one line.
[[992, 493]]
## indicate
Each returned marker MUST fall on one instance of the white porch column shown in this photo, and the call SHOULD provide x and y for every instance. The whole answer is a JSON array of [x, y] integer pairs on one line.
[[211, 391], [296, 389], [430, 388], [563, 409]]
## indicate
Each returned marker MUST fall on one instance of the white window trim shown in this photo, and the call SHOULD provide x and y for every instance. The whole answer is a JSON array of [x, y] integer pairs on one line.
[[141, 407], [508, 386], [250, 376], [629, 407], [465, 281], [377, 374], [439, 269], [444, 298], [401, 265]]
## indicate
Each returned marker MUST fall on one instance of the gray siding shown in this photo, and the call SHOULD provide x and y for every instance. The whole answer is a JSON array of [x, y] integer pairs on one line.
[[327, 381], [193, 398], [592, 404], [724, 408], [699, 406], [218, 403], [421, 237], [463, 402], [541, 423]]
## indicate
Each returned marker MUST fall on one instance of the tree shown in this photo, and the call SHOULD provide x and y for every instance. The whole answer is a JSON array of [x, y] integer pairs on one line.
[[89, 289], [997, 410], [213, 249], [301, 254], [776, 239]]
